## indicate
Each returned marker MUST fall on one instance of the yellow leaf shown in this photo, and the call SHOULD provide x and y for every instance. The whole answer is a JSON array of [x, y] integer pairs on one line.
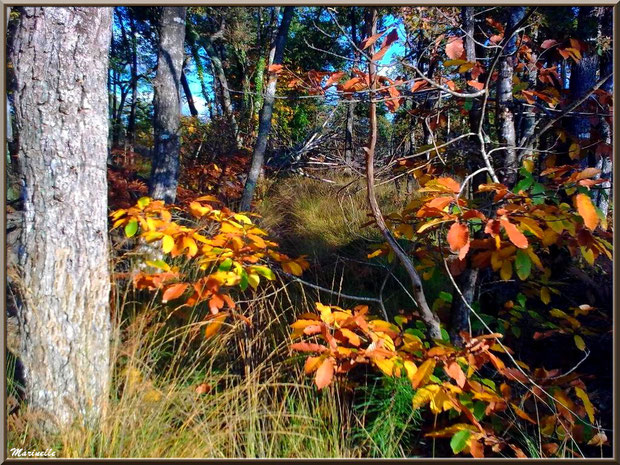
[[167, 243], [573, 151], [421, 377], [253, 280], [214, 325], [410, 368], [579, 342], [506, 271], [545, 296], [385, 365], [586, 403]]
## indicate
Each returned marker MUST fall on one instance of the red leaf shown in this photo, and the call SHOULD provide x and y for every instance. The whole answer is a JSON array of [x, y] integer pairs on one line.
[[324, 374], [391, 37], [173, 292], [454, 48], [515, 236]]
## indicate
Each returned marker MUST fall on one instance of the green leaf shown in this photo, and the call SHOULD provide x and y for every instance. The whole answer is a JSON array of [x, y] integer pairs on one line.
[[226, 265], [131, 228], [444, 335], [446, 296], [459, 440], [524, 184], [523, 265], [162, 265], [479, 409], [521, 299], [243, 284], [264, 272], [489, 382], [515, 330], [434, 379]]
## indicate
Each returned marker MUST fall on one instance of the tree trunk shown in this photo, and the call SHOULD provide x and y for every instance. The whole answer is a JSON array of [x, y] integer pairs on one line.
[[61, 62], [264, 126], [583, 73], [226, 101], [505, 104], [167, 104], [188, 95], [603, 196], [428, 316], [348, 136], [131, 123]]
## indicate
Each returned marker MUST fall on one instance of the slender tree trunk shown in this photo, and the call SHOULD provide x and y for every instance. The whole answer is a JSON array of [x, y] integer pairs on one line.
[[603, 196], [188, 95], [505, 104], [131, 123], [348, 136], [167, 104], [264, 126], [220, 75], [428, 316], [467, 280], [61, 61]]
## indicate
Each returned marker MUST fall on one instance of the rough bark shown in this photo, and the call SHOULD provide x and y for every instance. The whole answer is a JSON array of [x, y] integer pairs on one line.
[[167, 104], [583, 73], [61, 62], [505, 103], [428, 316], [264, 125], [348, 136]]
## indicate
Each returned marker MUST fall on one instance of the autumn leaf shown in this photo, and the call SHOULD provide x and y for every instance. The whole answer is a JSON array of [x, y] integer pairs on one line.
[[586, 403], [454, 48], [514, 235], [367, 42], [131, 228], [423, 374], [579, 342], [454, 370], [324, 374], [587, 211], [548, 43], [167, 243], [458, 238], [450, 184], [312, 364], [308, 347], [214, 325], [174, 292], [476, 84]]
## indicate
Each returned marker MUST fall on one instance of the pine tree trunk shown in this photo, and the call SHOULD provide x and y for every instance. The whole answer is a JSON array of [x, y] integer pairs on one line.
[[264, 126], [60, 57], [167, 104], [131, 123]]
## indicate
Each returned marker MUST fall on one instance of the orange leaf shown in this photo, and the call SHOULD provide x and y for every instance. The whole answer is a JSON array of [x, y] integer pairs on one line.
[[324, 374], [335, 77], [454, 48], [377, 56], [458, 237], [586, 211], [521, 414], [311, 365], [367, 42], [440, 202], [515, 236], [455, 371], [275, 68], [417, 85], [214, 325], [173, 292], [476, 84], [450, 184], [308, 347], [216, 303]]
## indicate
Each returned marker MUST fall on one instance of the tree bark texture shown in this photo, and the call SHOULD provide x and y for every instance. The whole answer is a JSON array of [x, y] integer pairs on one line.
[[167, 104], [505, 104], [60, 57], [188, 95], [264, 125]]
